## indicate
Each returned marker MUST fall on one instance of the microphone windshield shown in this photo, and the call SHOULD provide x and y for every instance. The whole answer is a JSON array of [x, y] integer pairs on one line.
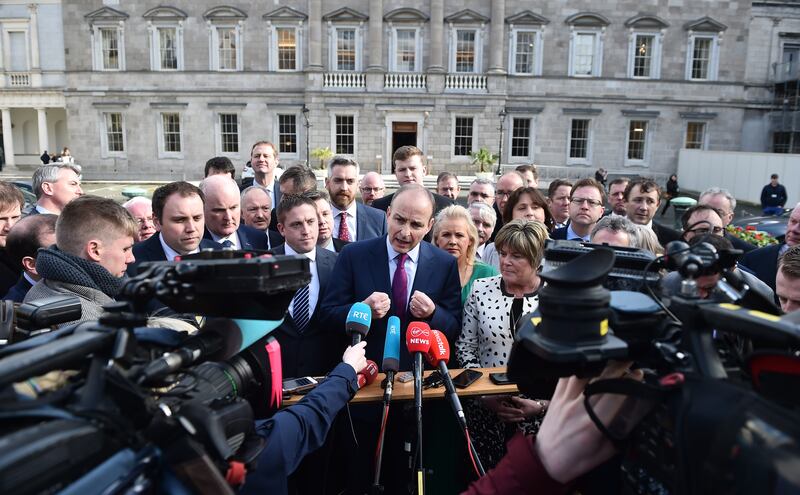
[[391, 347], [439, 349], [358, 319], [368, 374], [418, 337]]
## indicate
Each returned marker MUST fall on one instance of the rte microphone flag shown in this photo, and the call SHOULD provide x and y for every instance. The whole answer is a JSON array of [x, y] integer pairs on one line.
[[359, 319]]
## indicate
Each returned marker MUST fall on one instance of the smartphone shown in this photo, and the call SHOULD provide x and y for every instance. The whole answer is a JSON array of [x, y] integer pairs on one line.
[[466, 378], [297, 385], [500, 379]]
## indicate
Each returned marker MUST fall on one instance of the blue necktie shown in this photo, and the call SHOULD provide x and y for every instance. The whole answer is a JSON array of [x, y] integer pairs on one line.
[[227, 243], [300, 313]]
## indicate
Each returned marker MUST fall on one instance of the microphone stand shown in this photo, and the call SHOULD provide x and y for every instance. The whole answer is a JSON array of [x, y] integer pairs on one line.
[[418, 408], [377, 488]]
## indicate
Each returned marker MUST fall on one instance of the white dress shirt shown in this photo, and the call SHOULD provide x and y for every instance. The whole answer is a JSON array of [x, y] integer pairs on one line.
[[351, 220], [269, 188], [313, 286], [234, 238], [410, 265], [171, 253]]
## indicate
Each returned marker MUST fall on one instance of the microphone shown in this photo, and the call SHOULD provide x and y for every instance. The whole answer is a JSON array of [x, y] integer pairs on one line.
[[418, 341], [368, 374], [358, 321], [391, 355]]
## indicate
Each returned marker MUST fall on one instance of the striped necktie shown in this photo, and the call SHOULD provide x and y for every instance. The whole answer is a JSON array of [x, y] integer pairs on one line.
[[300, 306]]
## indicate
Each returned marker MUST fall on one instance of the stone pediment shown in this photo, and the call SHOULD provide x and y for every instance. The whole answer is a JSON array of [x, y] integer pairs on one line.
[[466, 16], [587, 19], [646, 22], [405, 15], [224, 13], [284, 14], [345, 14], [705, 24], [528, 18], [106, 14], [163, 13]]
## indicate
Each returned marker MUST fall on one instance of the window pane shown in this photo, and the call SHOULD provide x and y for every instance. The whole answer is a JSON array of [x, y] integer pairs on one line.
[[463, 136], [345, 134], [110, 46], [345, 49], [167, 50], [579, 139], [521, 137], [406, 50], [695, 135], [171, 125], [287, 49], [287, 133], [786, 142], [523, 56], [643, 55], [583, 54], [465, 51], [18, 50], [114, 132], [637, 138], [701, 56], [229, 132], [227, 48]]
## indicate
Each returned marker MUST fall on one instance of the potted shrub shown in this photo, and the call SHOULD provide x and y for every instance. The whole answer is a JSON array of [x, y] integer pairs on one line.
[[322, 155], [484, 159]]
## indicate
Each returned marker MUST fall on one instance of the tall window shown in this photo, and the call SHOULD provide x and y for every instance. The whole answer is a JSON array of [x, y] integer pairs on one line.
[[584, 53], [579, 139], [114, 135], [462, 136], [637, 140], [18, 51], [346, 49], [110, 48], [227, 42], [406, 50], [171, 132], [643, 49], [287, 133], [525, 52], [695, 136], [167, 48], [345, 130], [702, 61], [465, 50], [521, 138], [287, 48], [229, 132]]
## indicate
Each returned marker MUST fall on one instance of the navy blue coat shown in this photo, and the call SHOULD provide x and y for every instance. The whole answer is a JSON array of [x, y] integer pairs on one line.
[[17, 292], [151, 250], [763, 262], [249, 238]]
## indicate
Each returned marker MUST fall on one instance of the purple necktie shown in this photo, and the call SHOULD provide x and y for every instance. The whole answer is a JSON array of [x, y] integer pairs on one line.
[[400, 288]]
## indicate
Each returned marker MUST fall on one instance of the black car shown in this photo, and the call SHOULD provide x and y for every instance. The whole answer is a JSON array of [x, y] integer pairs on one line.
[[773, 225], [27, 191]]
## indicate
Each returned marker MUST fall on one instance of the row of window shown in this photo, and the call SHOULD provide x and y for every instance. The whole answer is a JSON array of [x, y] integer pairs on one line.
[[344, 134]]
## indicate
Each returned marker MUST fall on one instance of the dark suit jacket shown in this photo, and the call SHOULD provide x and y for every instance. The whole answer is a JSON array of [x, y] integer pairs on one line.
[[339, 244], [276, 191], [151, 250], [739, 244], [363, 268], [317, 350], [763, 262], [274, 239], [370, 222], [9, 271], [498, 224], [249, 238], [559, 234], [17, 292], [440, 204], [664, 234]]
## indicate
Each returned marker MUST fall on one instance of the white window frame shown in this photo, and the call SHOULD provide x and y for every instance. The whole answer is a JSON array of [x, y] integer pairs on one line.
[[478, 65], [162, 153], [538, 50], [417, 48], [333, 116], [531, 139], [597, 66], [713, 63], [704, 144], [332, 46], [15, 26], [273, 46], [648, 142], [276, 126], [218, 133], [589, 142], [655, 59], [105, 152], [213, 45], [462, 158], [155, 44], [97, 45]]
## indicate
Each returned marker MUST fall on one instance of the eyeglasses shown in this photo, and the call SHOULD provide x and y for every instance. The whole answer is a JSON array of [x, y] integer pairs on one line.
[[707, 230], [371, 189], [500, 192], [590, 202]]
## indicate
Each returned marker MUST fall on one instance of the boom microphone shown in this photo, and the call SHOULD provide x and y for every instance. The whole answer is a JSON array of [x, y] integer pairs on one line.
[[418, 341], [368, 374], [359, 318]]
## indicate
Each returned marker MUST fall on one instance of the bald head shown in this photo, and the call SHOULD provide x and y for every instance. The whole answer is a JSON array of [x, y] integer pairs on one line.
[[372, 187], [507, 184], [256, 208], [222, 206]]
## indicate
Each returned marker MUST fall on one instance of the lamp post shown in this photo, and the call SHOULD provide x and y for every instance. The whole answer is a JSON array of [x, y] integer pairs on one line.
[[308, 134], [502, 116]]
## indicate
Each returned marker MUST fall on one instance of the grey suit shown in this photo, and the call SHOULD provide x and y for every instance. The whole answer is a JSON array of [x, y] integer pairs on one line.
[[370, 222]]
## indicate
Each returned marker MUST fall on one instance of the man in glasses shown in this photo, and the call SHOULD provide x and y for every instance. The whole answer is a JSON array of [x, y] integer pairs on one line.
[[506, 184], [586, 200], [701, 220], [372, 187]]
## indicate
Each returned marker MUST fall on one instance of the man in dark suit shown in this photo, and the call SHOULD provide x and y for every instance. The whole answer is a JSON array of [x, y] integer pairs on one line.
[[24, 240], [763, 262], [325, 240], [257, 213], [11, 204], [361, 221], [725, 203], [642, 199], [222, 211], [587, 198], [178, 213], [506, 185], [55, 185], [264, 160]]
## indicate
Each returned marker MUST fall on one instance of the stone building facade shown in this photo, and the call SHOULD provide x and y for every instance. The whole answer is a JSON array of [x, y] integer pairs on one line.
[[153, 89]]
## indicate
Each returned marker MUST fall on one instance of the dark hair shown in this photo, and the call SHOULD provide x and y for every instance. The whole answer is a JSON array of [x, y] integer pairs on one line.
[[694, 209], [317, 194], [589, 182], [162, 194], [528, 168], [25, 238], [645, 185], [301, 177], [291, 201], [720, 243], [551, 189], [619, 180], [445, 175], [536, 198], [92, 217], [10, 194], [788, 263], [773, 176], [221, 163]]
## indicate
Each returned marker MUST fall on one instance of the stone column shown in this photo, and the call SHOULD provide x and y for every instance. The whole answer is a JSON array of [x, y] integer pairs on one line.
[[34, 36], [375, 49], [496, 37], [437, 36], [44, 140], [8, 138], [315, 35]]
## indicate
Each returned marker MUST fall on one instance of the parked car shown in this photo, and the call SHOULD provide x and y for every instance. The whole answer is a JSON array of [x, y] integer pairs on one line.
[[774, 225], [27, 191]]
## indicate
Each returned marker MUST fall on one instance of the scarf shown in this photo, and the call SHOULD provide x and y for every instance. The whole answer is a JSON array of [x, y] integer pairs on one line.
[[54, 264]]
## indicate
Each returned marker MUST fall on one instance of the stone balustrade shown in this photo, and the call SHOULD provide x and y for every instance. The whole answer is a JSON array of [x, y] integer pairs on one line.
[[19, 79], [344, 80], [465, 82], [404, 80]]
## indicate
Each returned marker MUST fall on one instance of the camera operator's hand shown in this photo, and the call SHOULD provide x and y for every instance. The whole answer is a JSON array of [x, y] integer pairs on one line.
[[568, 443], [355, 356]]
